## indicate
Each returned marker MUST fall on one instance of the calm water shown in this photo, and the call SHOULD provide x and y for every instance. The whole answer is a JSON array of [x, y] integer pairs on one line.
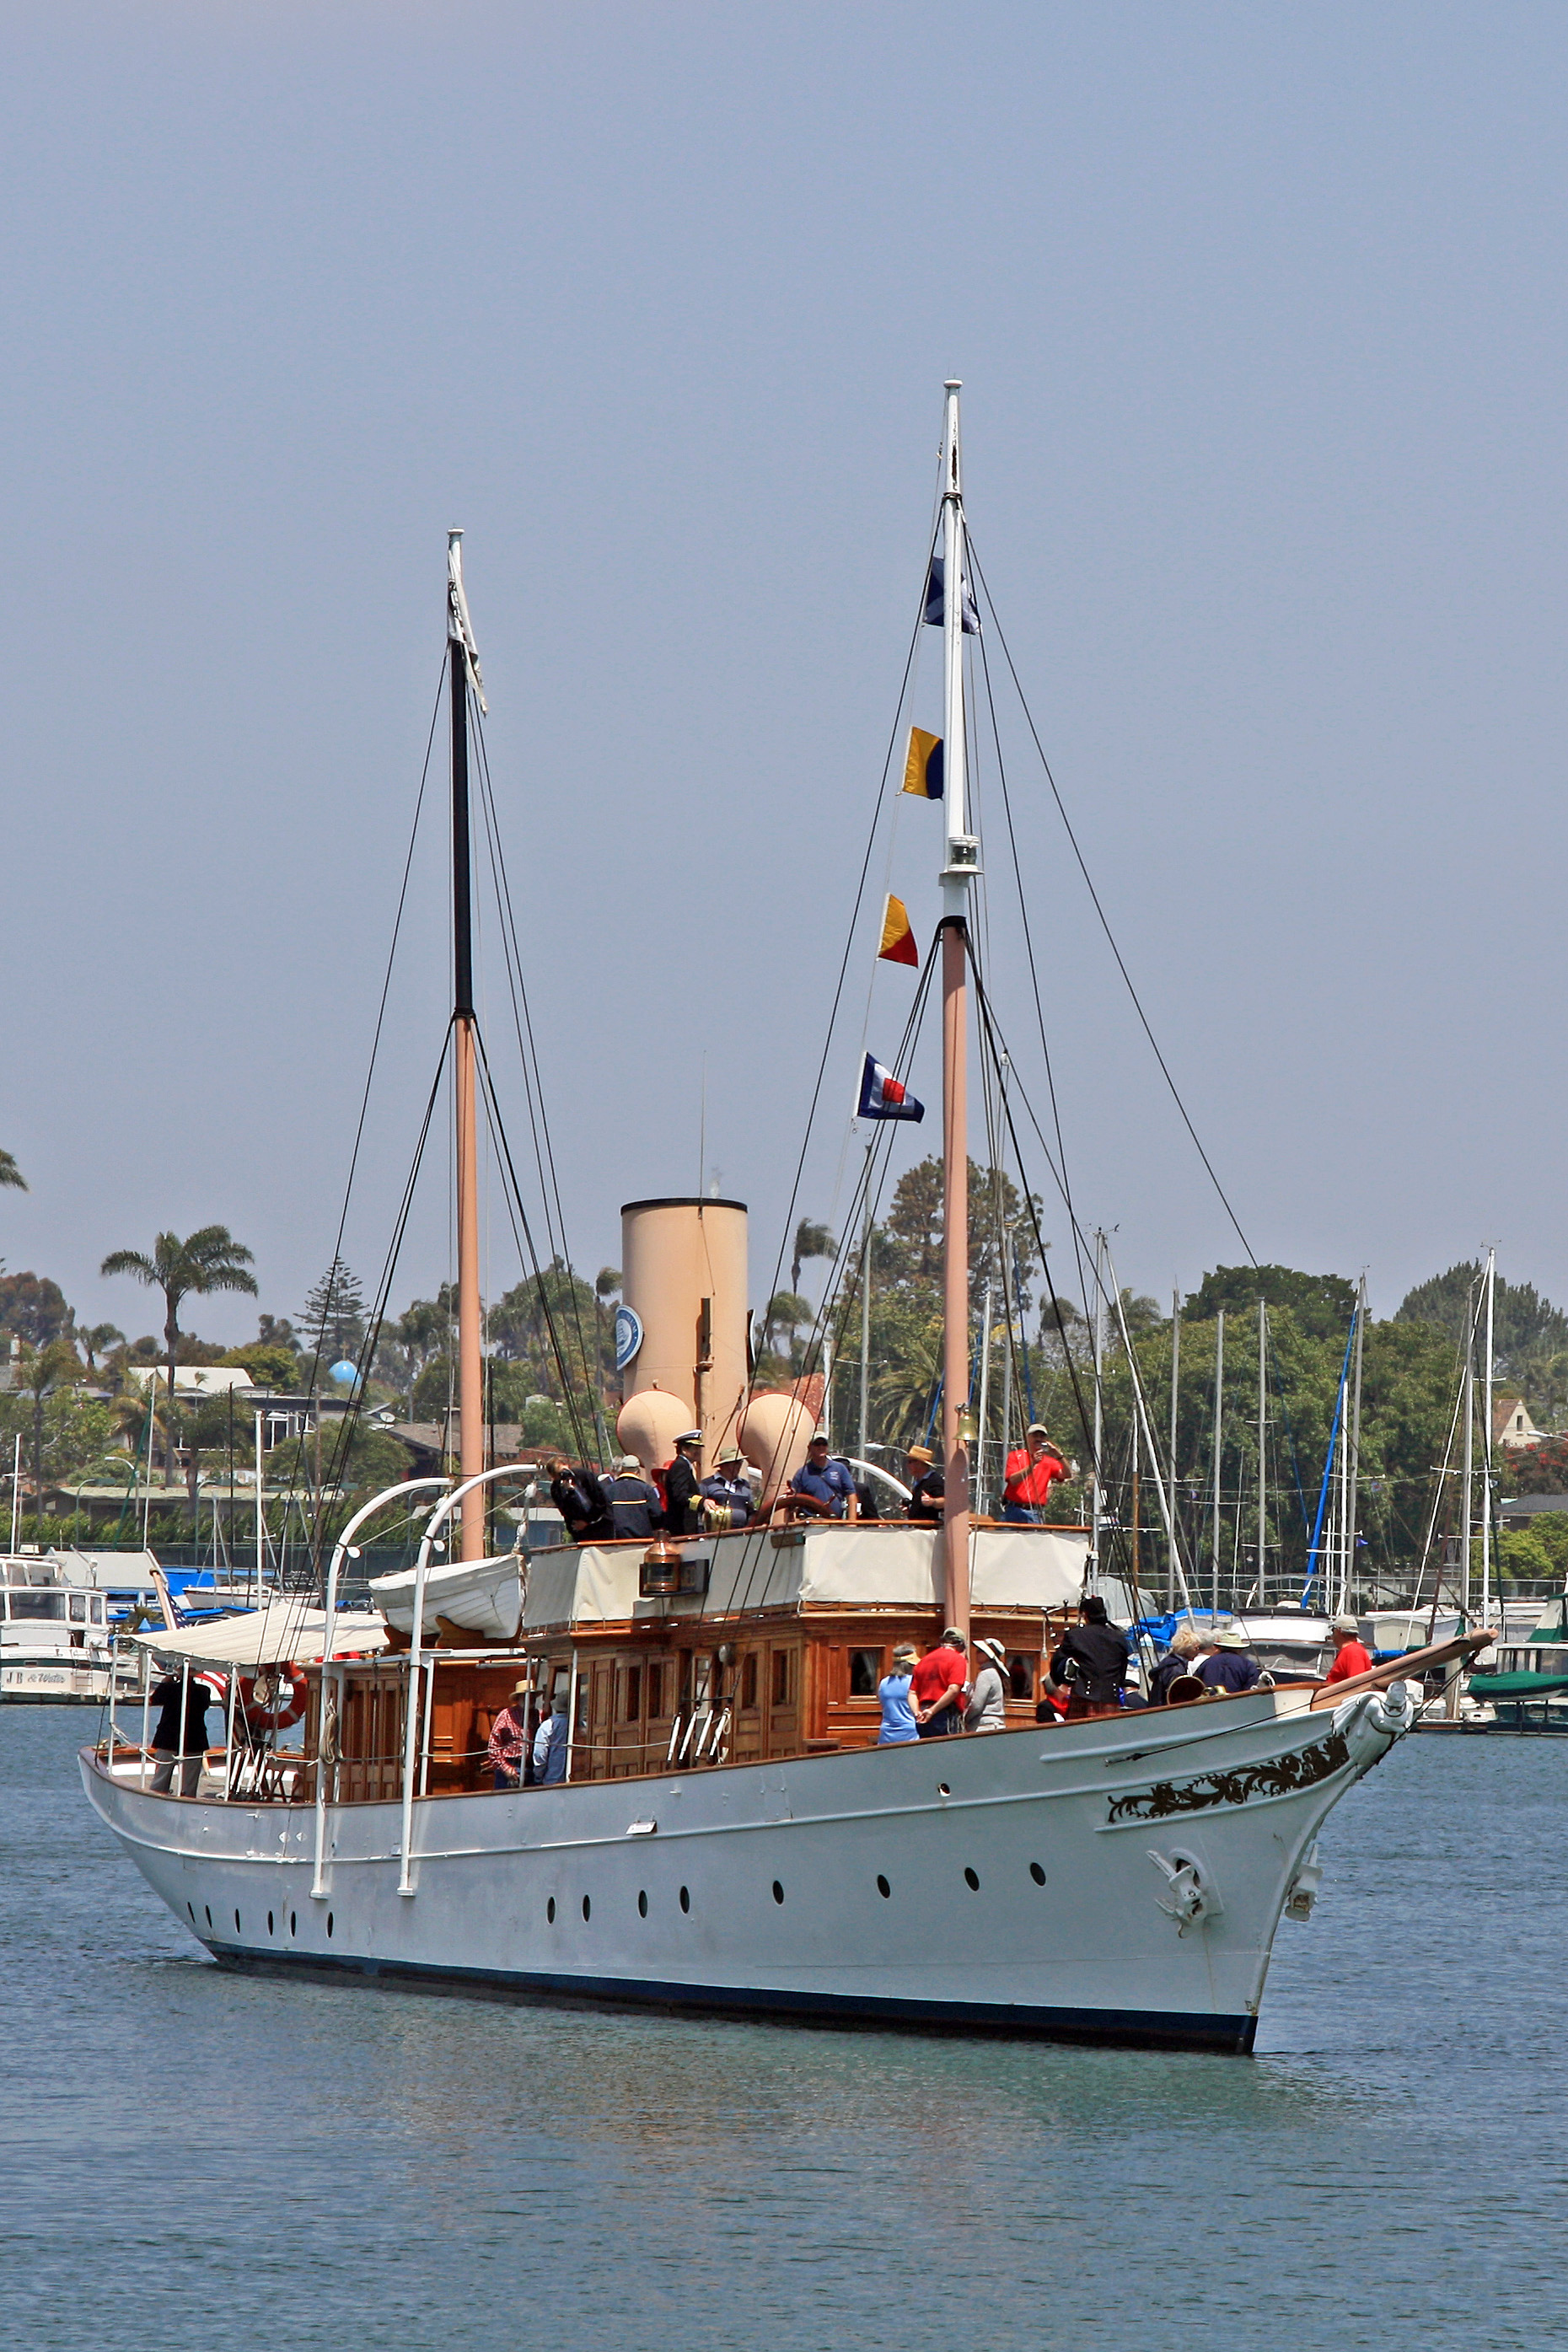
[[196, 2160]]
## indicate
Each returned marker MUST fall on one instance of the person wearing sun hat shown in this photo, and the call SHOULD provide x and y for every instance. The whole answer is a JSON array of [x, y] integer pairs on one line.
[[899, 1725], [508, 1739], [728, 1490], [928, 1486], [1230, 1666], [987, 1708]]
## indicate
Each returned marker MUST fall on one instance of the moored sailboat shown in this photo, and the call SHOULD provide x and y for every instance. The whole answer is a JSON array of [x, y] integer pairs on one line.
[[727, 1833]]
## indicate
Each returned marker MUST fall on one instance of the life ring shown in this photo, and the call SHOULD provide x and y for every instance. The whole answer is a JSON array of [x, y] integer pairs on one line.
[[275, 1698]]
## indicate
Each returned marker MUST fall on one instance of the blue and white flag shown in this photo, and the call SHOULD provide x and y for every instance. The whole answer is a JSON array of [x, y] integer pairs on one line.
[[882, 1096], [936, 595]]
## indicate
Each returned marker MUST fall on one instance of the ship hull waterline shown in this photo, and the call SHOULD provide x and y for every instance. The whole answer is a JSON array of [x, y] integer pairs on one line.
[[1118, 1880]]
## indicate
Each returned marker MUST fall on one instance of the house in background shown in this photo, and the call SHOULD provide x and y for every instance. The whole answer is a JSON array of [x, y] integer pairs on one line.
[[1511, 1423]]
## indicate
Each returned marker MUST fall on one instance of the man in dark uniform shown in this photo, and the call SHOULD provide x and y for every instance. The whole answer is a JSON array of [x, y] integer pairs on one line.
[[928, 1488], [180, 1734], [682, 1492], [633, 1499], [729, 1488], [1091, 1662], [582, 1503]]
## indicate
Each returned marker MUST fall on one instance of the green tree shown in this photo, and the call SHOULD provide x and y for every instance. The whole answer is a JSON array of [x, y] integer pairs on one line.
[[34, 1308], [10, 1174], [208, 1260], [334, 1316], [811, 1241], [1322, 1304], [269, 1366]]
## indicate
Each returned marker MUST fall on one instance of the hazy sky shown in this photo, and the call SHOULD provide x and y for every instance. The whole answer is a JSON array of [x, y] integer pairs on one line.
[[1260, 313]]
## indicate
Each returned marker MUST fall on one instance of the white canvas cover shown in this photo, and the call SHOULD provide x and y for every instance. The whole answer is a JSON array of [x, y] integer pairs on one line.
[[282, 1632], [483, 1596]]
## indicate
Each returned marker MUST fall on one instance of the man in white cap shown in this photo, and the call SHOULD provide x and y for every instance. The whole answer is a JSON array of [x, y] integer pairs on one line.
[[1033, 1468], [633, 1499], [823, 1486], [1351, 1655], [682, 1495]]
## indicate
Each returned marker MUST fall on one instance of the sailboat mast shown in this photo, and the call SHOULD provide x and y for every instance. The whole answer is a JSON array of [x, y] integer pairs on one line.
[[957, 874], [1487, 1441], [464, 665]]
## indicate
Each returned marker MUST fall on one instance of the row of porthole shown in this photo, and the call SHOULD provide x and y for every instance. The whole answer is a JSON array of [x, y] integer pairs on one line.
[[971, 1879], [293, 1920]]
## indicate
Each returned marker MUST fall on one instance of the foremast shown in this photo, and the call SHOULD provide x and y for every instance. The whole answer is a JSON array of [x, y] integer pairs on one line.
[[958, 874], [464, 665]]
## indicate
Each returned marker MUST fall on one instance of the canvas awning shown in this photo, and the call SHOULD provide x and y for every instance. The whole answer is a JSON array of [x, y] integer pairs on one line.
[[267, 1637]]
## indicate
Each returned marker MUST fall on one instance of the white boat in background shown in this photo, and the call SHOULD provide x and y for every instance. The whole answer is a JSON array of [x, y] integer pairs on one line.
[[55, 1642]]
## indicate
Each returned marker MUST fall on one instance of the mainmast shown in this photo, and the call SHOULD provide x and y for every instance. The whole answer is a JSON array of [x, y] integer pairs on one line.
[[465, 670], [962, 864]]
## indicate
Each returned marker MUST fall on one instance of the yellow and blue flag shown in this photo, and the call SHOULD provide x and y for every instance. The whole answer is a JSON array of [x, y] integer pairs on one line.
[[922, 765]]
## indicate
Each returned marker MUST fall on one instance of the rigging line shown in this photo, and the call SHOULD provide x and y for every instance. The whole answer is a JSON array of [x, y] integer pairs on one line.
[[983, 1003], [498, 1133], [518, 992], [371, 1341], [381, 1009], [854, 917], [1104, 922], [1079, 1253]]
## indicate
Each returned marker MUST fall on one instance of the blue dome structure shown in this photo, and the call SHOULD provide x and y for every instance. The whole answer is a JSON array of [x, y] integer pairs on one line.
[[345, 1373]]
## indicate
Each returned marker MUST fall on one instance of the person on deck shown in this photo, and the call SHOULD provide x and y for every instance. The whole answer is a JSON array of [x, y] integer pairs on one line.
[[682, 1487], [730, 1489], [508, 1739], [550, 1745], [634, 1500], [1351, 1655], [180, 1734], [898, 1723], [987, 1708], [823, 1487], [1231, 1666], [1091, 1662], [1179, 1663], [938, 1686], [1033, 1469], [928, 1488], [582, 1502]]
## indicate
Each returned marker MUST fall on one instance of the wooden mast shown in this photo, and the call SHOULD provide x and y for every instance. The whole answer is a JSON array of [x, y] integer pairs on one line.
[[962, 864], [464, 668]]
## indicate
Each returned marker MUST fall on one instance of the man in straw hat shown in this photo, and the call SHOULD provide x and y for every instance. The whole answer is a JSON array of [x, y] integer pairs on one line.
[[728, 1490], [1033, 1469], [928, 1486], [1230, 1667], [508, 1739]]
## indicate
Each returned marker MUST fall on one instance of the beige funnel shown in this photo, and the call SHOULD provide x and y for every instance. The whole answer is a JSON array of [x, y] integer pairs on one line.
[[683, 1273]]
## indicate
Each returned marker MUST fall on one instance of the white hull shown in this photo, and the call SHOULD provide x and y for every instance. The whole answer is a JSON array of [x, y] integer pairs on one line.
[[64, 1677], [1120, 1879]]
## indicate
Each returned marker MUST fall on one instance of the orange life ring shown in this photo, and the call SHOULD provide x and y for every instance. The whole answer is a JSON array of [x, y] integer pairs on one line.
[[282, 1701]]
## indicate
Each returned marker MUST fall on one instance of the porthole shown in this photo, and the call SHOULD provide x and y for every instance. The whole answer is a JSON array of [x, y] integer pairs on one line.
[[550, 1910], [293, 1923], [209, 1909], [269, 1923], [587, 1906], [942, 1789], [642, 1901], [778, 1892], [328, 1923], [1037, 1873], [237, 1928], [970, 1881], [192, 1914], [883, 1889], [686, 1898]]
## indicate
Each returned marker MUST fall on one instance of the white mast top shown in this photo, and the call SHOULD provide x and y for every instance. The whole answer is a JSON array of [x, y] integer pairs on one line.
[[963, 850], [460, 628]]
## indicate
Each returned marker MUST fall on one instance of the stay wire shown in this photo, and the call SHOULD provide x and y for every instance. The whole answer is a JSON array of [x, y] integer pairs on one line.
[[1104, 922]]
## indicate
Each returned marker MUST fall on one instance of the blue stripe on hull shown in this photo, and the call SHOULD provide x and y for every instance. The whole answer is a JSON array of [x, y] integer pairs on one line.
[[1129, 2028]]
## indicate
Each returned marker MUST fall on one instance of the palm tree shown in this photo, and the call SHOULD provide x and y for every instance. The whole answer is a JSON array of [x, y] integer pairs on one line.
[[10, 1174], [96, 1340], [810, 1241], [207, 1260]]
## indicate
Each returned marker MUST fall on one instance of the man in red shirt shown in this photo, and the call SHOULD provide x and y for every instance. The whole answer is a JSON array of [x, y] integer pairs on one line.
[[937, 1687], [1033, 1468], [1351, 1655]]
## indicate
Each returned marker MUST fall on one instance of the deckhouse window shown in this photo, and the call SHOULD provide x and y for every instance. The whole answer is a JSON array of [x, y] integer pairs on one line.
[[865, 1673], [655, 1692], [749, 1679], [781, 1678], [632, 1705]]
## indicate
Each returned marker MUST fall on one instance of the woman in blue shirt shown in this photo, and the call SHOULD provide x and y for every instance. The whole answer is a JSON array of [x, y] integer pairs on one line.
[[898, 1716]]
